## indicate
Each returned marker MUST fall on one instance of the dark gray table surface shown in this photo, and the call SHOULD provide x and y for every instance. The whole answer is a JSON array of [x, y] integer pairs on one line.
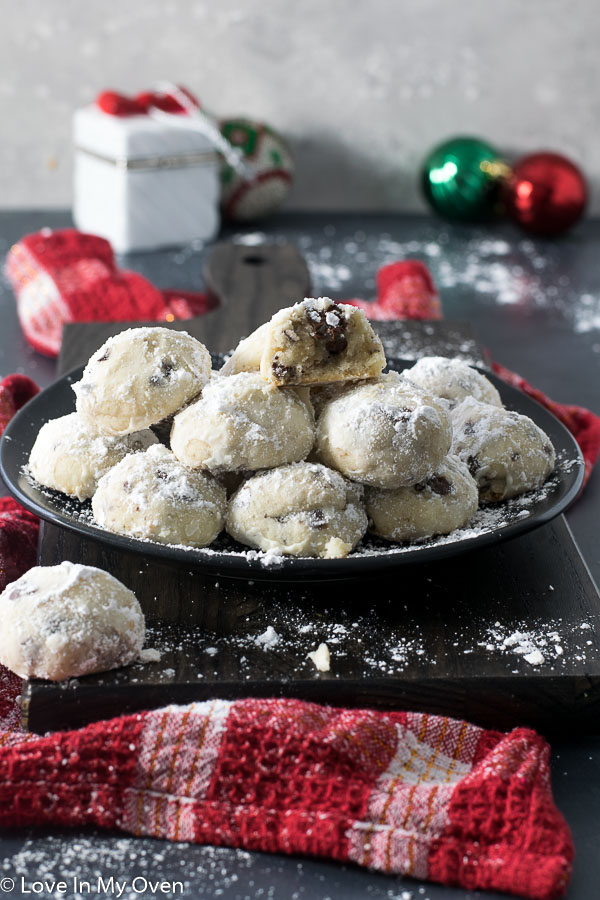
[[536, 306]]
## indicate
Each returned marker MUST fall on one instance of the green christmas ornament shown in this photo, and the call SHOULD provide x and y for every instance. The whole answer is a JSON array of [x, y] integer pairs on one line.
[[461, 179], [262, 182]]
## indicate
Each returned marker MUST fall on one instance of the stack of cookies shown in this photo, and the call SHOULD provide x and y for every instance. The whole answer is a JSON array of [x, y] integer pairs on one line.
[[297, 446]]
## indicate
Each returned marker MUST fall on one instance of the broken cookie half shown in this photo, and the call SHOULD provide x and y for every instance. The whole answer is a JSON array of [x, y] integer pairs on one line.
[[316, 341]]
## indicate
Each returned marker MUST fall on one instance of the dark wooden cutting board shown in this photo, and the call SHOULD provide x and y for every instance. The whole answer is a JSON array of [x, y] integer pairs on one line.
[[430, 637]]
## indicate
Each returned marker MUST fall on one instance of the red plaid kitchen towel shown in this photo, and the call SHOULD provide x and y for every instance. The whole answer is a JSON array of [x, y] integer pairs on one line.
[[404, 793], [68, 276]]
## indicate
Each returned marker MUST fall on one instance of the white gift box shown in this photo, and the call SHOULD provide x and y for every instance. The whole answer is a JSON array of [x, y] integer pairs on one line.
[[144, 183]]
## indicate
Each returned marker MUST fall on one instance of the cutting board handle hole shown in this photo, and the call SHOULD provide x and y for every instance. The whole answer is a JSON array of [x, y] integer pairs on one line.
[[254, 260]]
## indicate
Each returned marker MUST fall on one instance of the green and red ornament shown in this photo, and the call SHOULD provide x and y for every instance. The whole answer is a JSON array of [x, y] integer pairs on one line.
[[260, 186], [461, 179], [465, 179]]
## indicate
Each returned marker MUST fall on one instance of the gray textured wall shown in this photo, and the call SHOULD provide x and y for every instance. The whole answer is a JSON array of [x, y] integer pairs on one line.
[[362, 89]]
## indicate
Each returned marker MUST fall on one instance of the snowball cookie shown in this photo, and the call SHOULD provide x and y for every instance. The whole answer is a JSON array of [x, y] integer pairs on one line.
[[163, 429], [68, 620], [453, 380], [151, 495], [303, 509], [139, 377], [319, 341], [247, 355], [316, 341], [387, 433], [507, 454], [68, 457], [439, 504], [243, 423]]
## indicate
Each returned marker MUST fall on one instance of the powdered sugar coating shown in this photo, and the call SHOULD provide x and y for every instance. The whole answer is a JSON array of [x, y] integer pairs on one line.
[[68, 457], [507, 453], [387, 433], [152, 495], [322, 394], [242, 423], [139, 377], [68, 620], [247, 355], [302, 509], [453, 380], [446, 500]]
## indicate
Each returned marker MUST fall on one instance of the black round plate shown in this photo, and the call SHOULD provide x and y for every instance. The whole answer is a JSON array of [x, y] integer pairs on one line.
[[227, 558]]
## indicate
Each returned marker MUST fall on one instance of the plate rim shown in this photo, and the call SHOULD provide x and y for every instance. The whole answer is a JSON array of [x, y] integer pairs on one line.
[[224, 564]]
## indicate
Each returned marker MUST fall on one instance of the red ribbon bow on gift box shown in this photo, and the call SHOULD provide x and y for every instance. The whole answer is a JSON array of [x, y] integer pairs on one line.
[[170, 99], [115, 104]]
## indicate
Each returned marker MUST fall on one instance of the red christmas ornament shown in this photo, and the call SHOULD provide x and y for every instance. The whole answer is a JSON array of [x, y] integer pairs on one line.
[[545, 193]]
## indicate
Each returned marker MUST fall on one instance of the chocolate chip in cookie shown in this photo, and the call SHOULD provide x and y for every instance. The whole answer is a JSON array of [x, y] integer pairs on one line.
[[439, 484], [167, 367], [473, 465], [317, 519], [284, 372], [329, 327]]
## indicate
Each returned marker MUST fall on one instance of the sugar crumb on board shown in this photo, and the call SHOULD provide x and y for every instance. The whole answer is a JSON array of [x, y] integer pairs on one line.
[[321, 658], [149, 655], [267, 639], [537, 644]]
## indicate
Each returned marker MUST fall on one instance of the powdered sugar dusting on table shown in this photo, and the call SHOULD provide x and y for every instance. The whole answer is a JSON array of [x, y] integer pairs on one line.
[[298, 626], [539, 645], [88, 857], [498, 270]]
